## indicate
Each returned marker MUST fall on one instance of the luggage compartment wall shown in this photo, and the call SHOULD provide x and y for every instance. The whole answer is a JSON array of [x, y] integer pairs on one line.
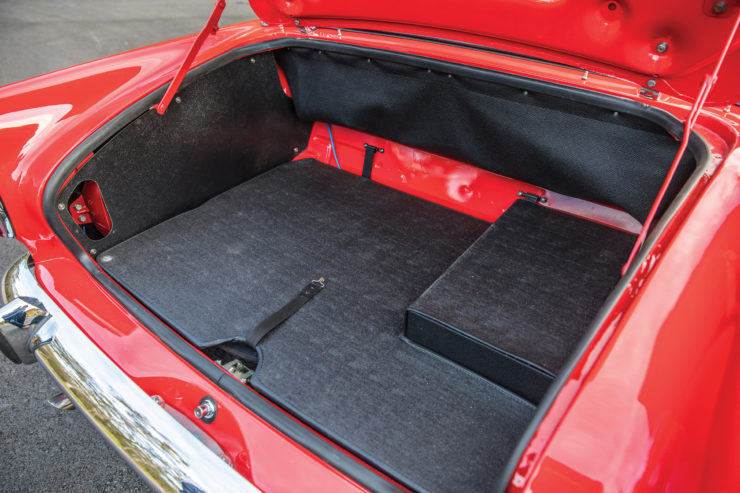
[[228, 126], [555, 142]]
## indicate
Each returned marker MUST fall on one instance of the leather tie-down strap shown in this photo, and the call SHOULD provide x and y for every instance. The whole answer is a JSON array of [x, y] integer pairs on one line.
[[367, 165], [258, 333]]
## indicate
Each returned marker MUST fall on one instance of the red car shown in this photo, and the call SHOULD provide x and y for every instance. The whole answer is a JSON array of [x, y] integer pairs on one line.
[[393, 246]]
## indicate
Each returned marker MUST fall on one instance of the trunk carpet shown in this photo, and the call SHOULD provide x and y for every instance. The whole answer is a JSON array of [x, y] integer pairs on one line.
[[339, 363], [548, 274]]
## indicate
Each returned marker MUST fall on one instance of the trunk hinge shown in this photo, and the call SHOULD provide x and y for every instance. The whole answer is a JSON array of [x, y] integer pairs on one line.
[[701, 98], [210, 28]]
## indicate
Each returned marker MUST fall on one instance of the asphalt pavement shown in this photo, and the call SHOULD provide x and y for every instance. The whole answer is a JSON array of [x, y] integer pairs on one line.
[[42, 449]]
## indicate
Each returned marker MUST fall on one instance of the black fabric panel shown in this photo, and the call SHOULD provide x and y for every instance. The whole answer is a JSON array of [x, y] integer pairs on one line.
[[231, 125], [339, 363], [531, 284], [505, 369], [566, 146]]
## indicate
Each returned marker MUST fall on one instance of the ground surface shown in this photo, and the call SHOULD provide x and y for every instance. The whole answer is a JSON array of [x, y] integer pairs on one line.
[[44, 449]]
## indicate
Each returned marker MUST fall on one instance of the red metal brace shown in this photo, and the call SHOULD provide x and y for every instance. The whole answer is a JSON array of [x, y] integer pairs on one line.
[[210, 28], [701, 98]]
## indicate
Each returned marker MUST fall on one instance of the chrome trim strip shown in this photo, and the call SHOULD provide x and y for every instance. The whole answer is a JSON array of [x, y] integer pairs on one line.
[[168, 456], [5, 225]]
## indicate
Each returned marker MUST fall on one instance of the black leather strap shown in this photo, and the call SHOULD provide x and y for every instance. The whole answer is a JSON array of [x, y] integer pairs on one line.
[[367, 165], [258, 333]]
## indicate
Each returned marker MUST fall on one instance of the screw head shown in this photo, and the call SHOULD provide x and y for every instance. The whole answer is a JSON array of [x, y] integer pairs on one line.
[[651, 83], [93, 251], [60, 207], [78, 207], [662, 47], [719, 8], [206, 410], [83, 218]]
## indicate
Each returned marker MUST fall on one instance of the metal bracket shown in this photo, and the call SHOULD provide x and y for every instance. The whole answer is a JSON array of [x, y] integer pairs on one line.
[[648, 93]]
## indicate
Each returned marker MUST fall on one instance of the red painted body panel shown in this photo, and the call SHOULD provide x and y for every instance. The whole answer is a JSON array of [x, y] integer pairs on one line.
[[619, 37], [650, 404], [453, 184]]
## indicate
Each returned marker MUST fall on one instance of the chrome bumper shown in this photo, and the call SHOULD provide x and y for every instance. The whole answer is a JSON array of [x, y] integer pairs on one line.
[[168, 456]]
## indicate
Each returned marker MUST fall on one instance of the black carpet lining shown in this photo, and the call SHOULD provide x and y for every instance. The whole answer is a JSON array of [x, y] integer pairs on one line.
[[531, 284], [339, 363]]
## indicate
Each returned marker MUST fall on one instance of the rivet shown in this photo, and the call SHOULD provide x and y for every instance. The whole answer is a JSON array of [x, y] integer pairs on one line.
[[178, 100], [651, 83], [662, 47], [295, 150], [719, 8], [252, 60], [60, 207], [525, 92]]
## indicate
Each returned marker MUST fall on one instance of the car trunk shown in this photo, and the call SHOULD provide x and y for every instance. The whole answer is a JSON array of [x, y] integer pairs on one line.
[[440, 323]]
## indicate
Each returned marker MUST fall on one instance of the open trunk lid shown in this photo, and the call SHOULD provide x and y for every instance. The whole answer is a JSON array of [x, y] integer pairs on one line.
[[674, 43]]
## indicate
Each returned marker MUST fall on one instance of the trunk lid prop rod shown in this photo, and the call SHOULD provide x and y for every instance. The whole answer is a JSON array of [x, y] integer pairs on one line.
[[210, 28], [701, 98]]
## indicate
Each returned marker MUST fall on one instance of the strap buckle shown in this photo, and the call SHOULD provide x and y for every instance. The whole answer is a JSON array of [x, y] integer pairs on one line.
[[320, 282]]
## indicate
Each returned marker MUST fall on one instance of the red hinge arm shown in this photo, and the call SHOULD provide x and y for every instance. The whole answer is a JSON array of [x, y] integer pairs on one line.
[[706, 87], [210, 28]]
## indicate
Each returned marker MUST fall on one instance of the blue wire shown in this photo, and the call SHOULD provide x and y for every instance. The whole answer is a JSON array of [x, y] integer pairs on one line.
[[333, 149]]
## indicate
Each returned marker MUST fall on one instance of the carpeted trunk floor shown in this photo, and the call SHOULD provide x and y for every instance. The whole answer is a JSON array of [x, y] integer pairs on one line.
[[339, 363]]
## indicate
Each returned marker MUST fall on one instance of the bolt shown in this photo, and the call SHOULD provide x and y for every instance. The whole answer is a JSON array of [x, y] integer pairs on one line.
[[83, 218], [651, 83], [93, 251], [662, 47], [78, 207], [60, 207], [297, 22], [205, 410], [178, 100], [719, 8]]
